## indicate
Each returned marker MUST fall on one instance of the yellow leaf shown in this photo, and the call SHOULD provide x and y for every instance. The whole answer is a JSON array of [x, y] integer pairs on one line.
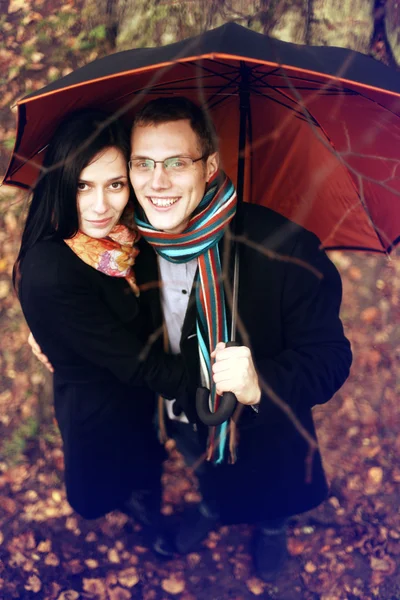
[[16, 5], [112, 556], [44, 546], [91, 563], [255, 586], [310, 567]]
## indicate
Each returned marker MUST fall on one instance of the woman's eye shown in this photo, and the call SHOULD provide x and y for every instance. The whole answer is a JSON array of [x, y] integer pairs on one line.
[[82, 186], [117, 185]]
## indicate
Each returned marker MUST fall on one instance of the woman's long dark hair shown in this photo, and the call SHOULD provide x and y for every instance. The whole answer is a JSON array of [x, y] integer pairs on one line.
[[53, 209]]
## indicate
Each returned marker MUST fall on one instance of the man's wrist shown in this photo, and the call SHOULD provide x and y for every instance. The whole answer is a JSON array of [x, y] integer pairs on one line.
[[256, 405]]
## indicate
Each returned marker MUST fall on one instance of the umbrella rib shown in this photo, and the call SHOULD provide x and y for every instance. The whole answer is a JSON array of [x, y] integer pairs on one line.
[[262, 76], [298, 112], [159, 87], [216, 73]]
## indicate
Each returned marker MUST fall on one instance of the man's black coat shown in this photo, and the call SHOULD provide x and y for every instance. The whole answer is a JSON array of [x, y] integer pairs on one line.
[[289, 301]]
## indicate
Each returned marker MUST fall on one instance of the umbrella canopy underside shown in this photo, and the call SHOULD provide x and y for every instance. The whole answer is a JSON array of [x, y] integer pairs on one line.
[[308, 154]]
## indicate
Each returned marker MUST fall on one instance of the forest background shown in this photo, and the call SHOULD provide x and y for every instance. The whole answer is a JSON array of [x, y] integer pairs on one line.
[[348, 548]]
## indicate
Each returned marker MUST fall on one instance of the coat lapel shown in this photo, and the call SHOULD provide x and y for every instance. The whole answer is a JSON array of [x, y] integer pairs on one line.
[[147, 275]]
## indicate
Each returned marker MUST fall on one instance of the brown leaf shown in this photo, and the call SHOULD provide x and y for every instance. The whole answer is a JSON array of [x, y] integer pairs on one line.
[[17, 559], [118, 593], [74, 566], [28, 565], [295, 546], [91, 537], [173, 585], [193, 559], [96, 587], [128, 577], [52, 560], [355, 273], [386, 564], [369, 314], [374, 480], [68, 595], [34, 584], [8, 505], [71, 524]]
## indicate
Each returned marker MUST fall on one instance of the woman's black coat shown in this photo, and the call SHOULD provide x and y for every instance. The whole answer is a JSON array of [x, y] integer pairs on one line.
[[289, 301], [90, 327]]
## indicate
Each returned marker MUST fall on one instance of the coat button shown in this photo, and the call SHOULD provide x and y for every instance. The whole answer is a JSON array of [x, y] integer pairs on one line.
[[184, 291]]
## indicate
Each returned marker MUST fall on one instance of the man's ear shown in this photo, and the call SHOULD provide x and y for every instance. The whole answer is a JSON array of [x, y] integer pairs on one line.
[[212, 165]]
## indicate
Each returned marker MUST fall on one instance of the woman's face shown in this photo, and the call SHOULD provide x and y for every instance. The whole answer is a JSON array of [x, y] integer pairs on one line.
[[103, 192]]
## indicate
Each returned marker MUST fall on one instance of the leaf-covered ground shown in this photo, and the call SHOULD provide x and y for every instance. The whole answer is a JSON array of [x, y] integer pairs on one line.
[[348, 548]]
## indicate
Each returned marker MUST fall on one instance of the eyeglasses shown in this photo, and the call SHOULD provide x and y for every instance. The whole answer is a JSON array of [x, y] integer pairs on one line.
[[175, 164]]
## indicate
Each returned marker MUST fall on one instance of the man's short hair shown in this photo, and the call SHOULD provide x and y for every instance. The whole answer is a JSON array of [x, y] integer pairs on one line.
[[164, 110]]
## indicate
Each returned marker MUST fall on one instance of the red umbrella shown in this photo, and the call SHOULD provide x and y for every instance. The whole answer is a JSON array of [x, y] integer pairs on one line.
[[319, 126], [311, 132]]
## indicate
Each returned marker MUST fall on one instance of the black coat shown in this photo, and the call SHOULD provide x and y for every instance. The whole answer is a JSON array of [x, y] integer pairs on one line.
[[291, 316], [89, 326]]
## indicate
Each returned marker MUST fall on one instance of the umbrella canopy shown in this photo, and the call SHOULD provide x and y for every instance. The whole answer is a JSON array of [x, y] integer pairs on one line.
[[311, 132]]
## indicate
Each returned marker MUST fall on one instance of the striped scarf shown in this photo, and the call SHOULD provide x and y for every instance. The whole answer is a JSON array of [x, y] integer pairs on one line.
[[200, 240]]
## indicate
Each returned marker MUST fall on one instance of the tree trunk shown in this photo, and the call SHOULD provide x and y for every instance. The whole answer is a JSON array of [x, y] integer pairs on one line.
[[392, 27], [344, 23]]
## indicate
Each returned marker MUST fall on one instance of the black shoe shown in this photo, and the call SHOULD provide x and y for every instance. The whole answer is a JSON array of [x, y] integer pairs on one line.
[[269, 552], [140, 507], [197, 522]]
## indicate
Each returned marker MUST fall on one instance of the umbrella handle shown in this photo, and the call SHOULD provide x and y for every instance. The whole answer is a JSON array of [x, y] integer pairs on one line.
[[226, 406]]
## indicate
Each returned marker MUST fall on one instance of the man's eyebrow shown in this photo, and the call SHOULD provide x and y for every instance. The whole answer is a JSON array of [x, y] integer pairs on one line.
[[178, 155]]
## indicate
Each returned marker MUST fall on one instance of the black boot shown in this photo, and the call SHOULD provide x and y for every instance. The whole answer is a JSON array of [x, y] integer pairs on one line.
[[269, 551], [197, 522], [141, 507]]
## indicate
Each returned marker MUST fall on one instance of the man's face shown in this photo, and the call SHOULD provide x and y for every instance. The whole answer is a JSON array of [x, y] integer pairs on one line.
[[169, 198]]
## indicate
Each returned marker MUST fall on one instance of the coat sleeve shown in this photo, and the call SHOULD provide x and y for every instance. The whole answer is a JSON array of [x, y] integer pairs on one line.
[[317, 356], [64, 309]]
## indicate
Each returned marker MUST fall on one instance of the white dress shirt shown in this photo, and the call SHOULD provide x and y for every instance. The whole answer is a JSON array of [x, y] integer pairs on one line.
[[177, 281]]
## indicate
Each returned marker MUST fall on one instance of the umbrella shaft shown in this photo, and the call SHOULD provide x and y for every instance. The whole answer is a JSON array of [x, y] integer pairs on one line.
[[244, 106]]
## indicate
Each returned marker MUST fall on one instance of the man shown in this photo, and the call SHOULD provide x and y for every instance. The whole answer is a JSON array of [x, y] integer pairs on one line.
[[289, 311], [264, 465]]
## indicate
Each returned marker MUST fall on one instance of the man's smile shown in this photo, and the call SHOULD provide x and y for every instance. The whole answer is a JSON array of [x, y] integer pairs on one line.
[[163, 201]]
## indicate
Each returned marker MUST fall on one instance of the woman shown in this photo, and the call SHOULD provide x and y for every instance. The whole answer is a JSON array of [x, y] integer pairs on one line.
[[79, 296]]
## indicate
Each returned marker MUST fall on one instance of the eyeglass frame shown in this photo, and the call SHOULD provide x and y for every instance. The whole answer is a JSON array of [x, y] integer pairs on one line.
[[194, 160]]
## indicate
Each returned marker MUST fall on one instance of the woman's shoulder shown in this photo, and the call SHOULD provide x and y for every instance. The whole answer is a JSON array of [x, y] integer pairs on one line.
[[48, 261]]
